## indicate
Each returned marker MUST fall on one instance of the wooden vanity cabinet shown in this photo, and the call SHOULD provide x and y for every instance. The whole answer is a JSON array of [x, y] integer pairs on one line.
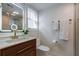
[[27, 48]]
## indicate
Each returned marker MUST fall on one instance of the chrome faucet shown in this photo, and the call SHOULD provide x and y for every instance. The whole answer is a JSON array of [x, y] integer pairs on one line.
[[14, 35]]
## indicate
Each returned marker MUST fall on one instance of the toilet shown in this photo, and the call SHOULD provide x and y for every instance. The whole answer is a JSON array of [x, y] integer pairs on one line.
[[42, 47]]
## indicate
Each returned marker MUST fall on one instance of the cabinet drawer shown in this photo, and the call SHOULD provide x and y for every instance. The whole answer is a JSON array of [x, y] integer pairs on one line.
[[11, 51], [28, 52]]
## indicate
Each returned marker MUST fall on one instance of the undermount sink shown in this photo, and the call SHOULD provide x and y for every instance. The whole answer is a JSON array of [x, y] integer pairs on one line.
[[11, 39], [15, 40], [3, 42]]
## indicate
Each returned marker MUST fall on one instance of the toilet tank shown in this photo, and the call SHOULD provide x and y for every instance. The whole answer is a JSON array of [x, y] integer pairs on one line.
[[37, 42]]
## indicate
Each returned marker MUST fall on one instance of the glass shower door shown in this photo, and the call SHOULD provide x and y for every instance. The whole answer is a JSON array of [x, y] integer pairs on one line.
[[77, 29]]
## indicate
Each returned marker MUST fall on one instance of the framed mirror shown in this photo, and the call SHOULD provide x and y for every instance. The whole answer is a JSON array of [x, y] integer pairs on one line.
[[12, 14]]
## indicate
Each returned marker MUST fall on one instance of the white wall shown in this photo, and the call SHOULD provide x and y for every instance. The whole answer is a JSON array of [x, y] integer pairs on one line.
[[62, 12]]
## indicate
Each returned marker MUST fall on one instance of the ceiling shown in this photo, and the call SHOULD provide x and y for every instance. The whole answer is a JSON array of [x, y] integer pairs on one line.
[[40, 6]]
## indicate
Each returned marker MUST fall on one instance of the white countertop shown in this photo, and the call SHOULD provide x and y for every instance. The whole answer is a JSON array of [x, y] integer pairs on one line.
[[6, 42]]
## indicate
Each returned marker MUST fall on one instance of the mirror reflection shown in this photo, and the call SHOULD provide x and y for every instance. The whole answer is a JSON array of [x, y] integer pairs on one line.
[[11, 14]]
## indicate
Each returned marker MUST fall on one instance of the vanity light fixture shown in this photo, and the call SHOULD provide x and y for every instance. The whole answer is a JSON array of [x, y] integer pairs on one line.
[[15, 12], [7, 13]]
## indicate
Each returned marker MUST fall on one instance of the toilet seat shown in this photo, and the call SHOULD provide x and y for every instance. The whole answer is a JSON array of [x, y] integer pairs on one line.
[[43, 48]]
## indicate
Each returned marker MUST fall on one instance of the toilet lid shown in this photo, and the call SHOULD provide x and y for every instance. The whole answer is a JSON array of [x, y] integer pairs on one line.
[[44, 48]]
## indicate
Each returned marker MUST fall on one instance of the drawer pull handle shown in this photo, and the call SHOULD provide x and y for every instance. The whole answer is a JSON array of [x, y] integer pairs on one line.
[[24, 49]]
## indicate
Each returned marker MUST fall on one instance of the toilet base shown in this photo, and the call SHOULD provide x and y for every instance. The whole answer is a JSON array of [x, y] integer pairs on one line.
[[43, 48]]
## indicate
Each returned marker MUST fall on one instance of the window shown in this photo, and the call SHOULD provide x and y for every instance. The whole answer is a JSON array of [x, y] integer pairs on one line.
[[32, 18]]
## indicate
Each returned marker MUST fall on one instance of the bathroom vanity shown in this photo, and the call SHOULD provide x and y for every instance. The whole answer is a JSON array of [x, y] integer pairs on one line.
[[18, 47], [11, 42]]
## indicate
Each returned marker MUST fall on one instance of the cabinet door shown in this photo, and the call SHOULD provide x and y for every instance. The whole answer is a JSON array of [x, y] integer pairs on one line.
[[30, 50], [19, 48], [0, 52]]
